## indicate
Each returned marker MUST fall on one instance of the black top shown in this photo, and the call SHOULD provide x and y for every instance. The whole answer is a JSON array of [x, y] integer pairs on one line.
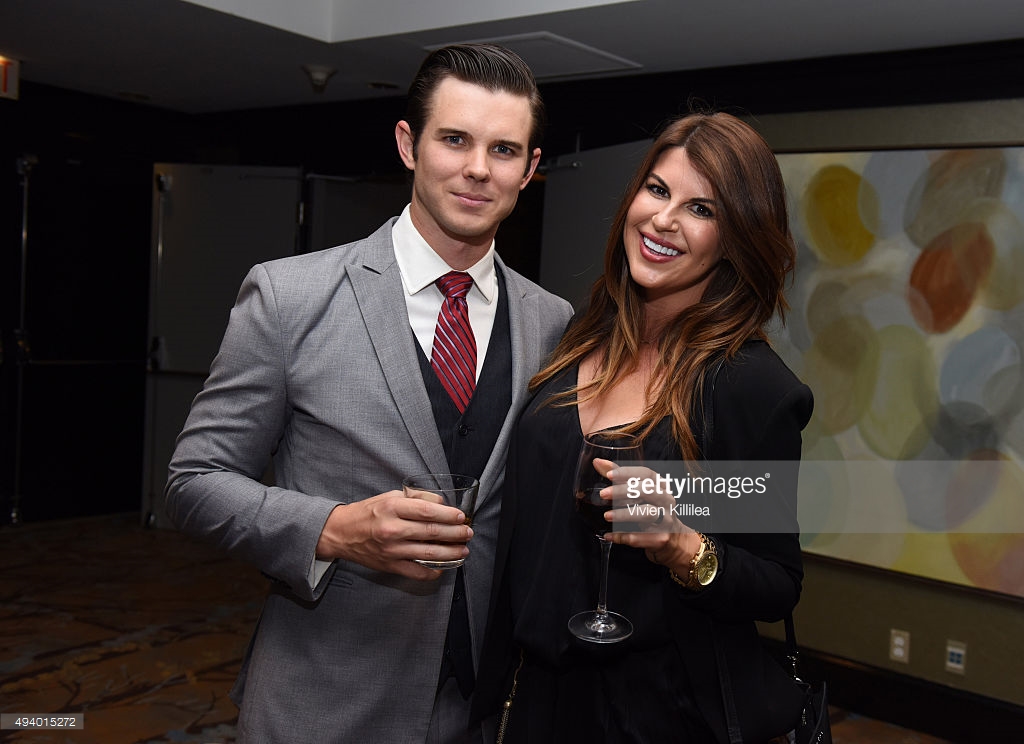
[[572, 690], [661, 684], [553, 570]]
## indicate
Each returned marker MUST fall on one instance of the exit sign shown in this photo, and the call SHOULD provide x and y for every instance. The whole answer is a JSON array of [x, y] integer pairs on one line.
[[8, 77]]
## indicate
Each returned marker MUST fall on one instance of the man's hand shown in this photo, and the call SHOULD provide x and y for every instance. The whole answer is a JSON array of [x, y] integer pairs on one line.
[[389, 531]]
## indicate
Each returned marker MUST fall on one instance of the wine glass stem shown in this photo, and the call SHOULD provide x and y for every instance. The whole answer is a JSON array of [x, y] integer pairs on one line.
[[602, 595]]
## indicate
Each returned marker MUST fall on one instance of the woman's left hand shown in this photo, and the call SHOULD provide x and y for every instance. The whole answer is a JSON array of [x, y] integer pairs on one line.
[[673, 550], [673, 546]]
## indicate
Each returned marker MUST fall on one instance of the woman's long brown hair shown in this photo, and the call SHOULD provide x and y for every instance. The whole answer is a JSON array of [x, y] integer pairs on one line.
[[745, 291]]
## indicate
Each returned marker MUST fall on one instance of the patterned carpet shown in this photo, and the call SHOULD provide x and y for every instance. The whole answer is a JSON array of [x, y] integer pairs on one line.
[[143, 632]]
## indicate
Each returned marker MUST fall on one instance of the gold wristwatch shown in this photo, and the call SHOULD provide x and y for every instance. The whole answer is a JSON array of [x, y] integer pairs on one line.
[[703, 565]]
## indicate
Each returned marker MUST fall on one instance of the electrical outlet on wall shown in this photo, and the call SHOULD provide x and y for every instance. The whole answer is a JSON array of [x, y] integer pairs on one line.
[[899, 645], [956, 657]]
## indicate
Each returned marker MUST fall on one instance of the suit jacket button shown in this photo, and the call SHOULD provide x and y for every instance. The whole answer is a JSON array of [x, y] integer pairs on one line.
[[463, 430]]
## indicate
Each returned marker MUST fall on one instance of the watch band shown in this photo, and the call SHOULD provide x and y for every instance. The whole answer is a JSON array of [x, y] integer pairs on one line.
[[692, 580]]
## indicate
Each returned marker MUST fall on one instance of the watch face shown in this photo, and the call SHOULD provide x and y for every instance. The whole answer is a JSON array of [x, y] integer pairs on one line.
[[706, 569]]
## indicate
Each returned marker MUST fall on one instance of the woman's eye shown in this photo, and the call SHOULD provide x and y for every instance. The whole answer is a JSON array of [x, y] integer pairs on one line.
[[657, 190], [702, 210]]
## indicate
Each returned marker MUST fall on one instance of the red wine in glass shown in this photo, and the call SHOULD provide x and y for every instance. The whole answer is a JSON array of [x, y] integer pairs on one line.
[[591, 507]]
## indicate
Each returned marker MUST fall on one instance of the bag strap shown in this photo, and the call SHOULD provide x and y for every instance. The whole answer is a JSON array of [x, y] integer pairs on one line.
[[732, 719], [708, 406], [506, 709]]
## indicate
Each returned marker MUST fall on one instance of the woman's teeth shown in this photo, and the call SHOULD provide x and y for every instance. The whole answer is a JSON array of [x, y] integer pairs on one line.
[[659, 249]]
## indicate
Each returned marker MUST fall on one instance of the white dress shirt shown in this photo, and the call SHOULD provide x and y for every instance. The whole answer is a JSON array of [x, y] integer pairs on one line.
[[420, 267]]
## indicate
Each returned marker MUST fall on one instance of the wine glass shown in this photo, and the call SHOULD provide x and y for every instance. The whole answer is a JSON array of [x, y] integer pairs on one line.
[[600, 625]]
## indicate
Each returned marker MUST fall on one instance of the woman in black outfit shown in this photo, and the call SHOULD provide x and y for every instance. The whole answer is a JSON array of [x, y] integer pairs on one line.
[[671, 347]]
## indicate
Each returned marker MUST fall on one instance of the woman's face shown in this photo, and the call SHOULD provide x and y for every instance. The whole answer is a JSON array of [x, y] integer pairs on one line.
[[671, 233]]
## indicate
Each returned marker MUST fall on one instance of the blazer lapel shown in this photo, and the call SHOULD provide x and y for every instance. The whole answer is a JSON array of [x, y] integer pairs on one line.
[[377, 285]]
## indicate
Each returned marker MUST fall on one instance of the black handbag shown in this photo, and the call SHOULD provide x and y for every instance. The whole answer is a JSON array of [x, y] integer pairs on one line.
[[811, 727], [814, 726]]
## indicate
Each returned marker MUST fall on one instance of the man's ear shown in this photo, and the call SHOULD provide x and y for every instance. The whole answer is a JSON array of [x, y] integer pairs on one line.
[[406, 149], [534, 162]]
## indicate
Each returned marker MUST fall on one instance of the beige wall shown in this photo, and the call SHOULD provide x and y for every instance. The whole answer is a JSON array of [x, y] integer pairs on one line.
[[848, 610], [938, 125]]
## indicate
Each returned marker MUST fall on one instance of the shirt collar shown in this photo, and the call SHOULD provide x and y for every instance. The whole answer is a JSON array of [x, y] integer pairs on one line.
[[421, 266]]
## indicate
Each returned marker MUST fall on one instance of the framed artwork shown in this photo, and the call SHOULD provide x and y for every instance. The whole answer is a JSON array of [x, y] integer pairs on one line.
[[907, 321]]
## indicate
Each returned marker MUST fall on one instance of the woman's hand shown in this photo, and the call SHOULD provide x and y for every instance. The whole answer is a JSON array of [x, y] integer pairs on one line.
[[644, 514], [674, 550]]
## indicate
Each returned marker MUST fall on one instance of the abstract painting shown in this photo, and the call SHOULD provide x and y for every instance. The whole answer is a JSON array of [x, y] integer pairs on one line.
[[907, 321]]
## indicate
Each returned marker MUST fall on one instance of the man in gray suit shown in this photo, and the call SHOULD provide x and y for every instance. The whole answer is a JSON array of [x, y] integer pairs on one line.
[[325, 368]]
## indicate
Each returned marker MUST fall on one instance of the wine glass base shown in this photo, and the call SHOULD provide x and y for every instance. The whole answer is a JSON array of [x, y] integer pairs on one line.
[[600, 627]]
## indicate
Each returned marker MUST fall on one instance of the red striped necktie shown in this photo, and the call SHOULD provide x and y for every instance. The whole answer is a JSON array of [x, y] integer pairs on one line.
[[454, 354]]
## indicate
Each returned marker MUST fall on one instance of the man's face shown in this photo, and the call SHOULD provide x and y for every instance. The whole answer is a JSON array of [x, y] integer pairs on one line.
[[471, 162]]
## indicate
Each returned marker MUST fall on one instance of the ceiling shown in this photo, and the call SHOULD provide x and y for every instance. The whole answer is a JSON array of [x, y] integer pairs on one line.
[[185, 57]]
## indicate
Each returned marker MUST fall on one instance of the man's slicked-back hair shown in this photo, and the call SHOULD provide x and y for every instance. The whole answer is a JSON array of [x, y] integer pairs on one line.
[[487, 65]]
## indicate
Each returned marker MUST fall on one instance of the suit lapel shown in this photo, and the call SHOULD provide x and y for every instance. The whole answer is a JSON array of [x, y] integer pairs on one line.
[[524, 329], [377, 285]]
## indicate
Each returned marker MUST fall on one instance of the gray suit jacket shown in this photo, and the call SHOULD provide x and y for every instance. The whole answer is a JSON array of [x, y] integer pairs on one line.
[[318, 370]]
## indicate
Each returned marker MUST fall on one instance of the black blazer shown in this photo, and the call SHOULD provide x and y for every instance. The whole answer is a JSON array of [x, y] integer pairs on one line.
[[758, 409]]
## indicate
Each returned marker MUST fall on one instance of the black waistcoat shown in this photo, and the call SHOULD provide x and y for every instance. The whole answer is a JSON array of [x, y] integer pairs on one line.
[[468, 440]]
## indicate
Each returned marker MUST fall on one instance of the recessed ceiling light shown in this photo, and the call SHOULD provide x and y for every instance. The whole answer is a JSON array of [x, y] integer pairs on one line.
[[318, 76]]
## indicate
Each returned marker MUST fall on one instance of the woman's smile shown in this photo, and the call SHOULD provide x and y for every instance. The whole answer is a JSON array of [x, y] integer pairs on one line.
[[660, 250]]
